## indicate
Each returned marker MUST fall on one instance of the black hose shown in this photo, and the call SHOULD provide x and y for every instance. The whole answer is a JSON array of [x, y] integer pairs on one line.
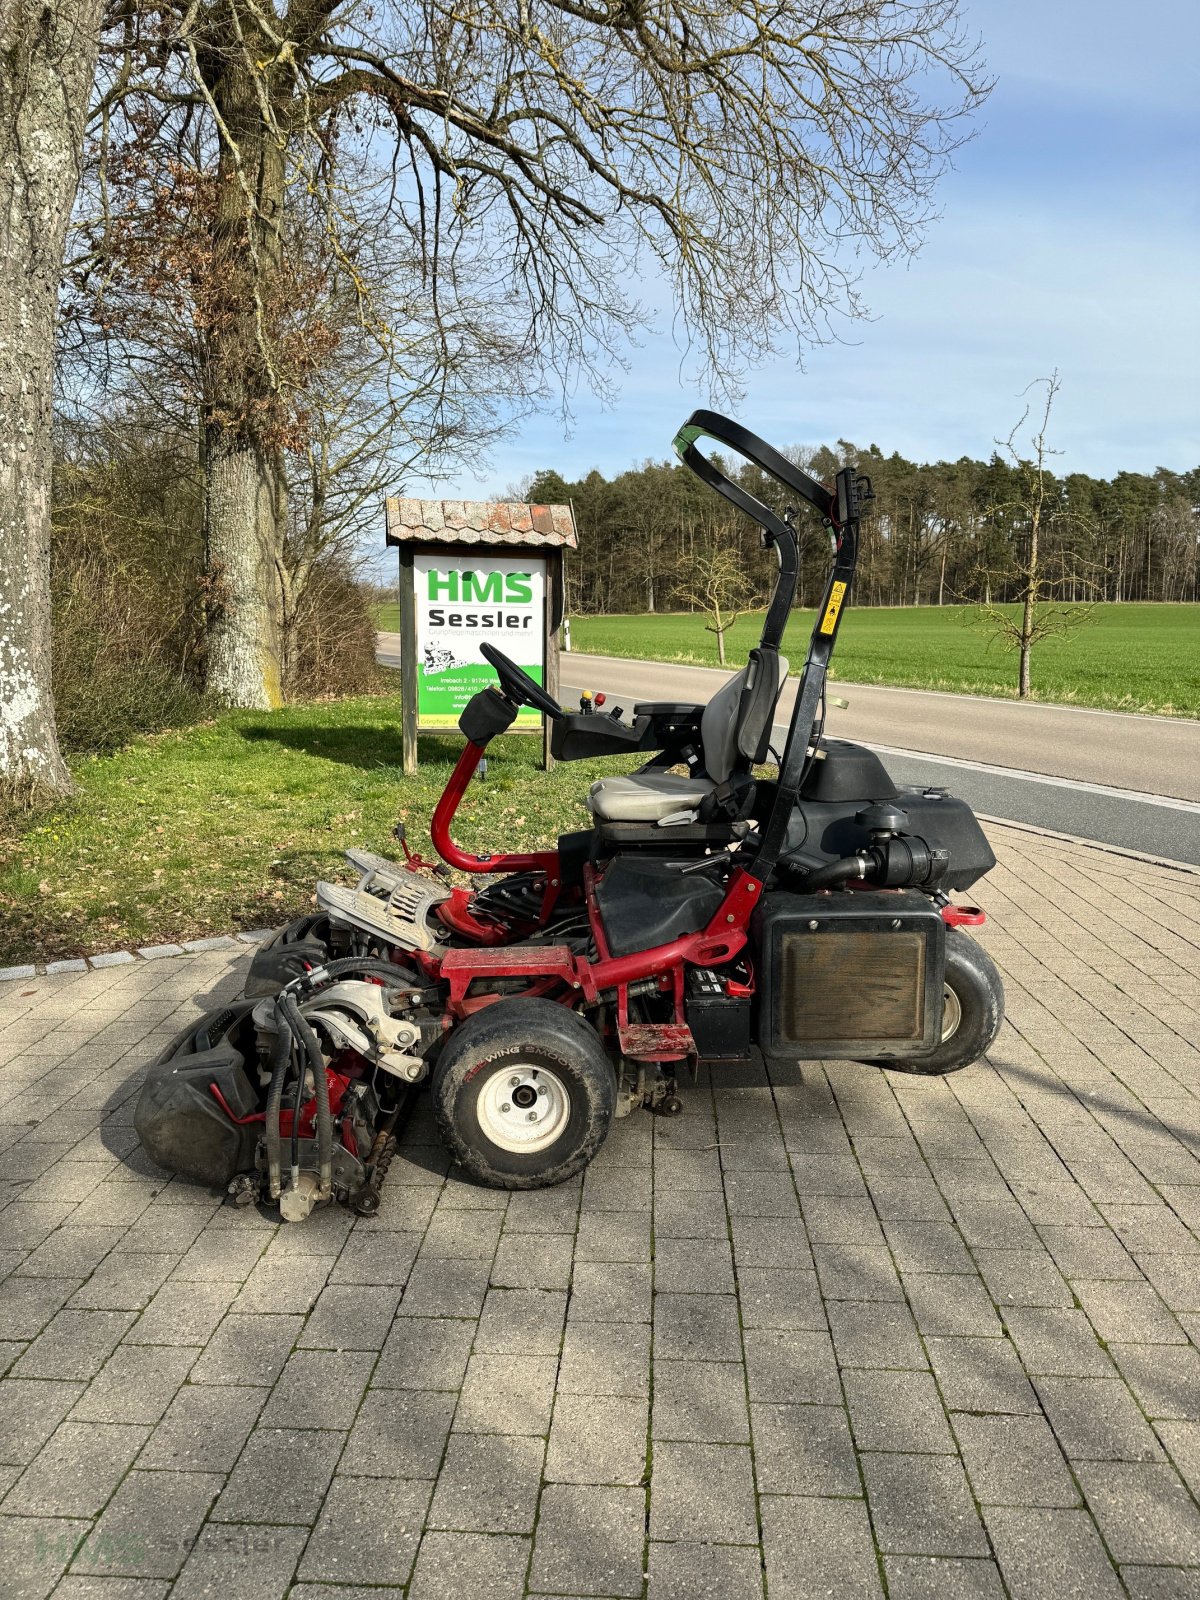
[[281, 1056], [316, 1061], [839, 871]]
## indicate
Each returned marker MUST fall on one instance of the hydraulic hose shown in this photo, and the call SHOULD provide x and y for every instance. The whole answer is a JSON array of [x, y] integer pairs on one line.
[[316, 1061], [281, 1056], [840, 871]]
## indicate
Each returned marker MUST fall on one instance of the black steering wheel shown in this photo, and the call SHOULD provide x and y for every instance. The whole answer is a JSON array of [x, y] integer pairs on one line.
[[518, 685]]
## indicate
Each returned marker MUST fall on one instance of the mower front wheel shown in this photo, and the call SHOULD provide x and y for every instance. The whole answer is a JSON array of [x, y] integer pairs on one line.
[[973, 1009], [523, 1094]]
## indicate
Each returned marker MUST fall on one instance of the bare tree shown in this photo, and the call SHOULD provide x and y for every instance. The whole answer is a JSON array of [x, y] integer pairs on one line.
[[539, 159], [717, 584], [1032, 513], [48, 51]]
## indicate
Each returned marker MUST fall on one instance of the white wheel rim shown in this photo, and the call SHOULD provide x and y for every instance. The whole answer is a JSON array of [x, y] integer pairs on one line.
[[523, 1108], [951, 1012]]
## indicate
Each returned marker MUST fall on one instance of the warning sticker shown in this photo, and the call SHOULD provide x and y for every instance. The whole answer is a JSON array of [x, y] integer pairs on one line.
[[836, 595]]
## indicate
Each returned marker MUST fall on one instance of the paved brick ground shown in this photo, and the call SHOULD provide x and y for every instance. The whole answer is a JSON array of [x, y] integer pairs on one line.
[[832, 1332]]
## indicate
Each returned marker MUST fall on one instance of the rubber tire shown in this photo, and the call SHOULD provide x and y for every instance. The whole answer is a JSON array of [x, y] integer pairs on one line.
[[485, 1044], [972, 974]]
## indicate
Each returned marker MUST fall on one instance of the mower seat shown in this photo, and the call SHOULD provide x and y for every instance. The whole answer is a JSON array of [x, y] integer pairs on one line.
[[734, 729]]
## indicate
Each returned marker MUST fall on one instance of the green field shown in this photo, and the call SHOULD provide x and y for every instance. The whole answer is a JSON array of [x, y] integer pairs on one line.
[[1127, 657], [229, 824]]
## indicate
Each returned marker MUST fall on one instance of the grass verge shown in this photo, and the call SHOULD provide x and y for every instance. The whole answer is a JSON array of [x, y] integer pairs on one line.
[[229, 824]]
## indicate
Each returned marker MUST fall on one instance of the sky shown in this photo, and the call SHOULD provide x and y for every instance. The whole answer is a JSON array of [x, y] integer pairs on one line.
[[1069, 238]]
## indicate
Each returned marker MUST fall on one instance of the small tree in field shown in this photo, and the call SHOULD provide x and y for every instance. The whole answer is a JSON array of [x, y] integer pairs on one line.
[[1034, 574], [718, 586]]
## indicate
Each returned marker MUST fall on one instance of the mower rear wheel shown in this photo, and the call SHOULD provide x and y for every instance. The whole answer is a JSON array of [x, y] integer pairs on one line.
[[972, 1011], [523, 1094]]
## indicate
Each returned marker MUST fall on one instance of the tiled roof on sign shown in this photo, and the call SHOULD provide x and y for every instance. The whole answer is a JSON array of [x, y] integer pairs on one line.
[[479, 522]]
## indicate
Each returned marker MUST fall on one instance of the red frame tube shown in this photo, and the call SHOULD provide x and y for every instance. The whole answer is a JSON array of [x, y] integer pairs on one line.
[[439, 827]]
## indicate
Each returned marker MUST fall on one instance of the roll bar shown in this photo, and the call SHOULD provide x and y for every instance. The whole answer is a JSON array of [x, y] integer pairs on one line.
[[841, 507]]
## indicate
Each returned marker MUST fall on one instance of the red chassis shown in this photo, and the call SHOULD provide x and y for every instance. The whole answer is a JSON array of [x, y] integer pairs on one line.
[[553, 970]]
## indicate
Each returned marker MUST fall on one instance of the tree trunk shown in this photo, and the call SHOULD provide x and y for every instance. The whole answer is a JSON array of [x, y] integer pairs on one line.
[[245, 501], [48, 51]]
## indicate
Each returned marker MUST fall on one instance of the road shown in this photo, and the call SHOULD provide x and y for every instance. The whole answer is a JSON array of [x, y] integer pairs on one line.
[[1124, 780]]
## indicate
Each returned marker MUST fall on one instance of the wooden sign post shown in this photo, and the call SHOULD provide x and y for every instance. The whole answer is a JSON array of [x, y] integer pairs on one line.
[[473, 572]]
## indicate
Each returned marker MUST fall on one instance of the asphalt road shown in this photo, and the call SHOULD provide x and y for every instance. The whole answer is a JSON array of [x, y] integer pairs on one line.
[[1124, 780]]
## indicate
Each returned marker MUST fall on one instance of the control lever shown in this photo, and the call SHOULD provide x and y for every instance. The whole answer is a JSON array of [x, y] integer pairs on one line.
[[617, 713]]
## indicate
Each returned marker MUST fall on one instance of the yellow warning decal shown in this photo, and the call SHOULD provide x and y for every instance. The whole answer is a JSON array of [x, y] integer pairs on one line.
[[836, 595]]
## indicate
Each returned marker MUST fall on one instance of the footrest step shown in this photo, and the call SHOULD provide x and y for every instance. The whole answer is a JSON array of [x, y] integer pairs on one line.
[[656, 1041]]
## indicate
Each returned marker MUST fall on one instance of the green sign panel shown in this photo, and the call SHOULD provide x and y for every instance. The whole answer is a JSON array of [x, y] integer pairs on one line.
[[466, 598]]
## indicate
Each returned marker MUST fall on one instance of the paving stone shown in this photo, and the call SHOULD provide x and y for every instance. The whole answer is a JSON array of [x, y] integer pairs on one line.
[[504, 1395], [75, 1471], [305, 1396], [69, 1253], [611, 1235], [803, 1450], [1097, 1419], [253, 1563], [1162, 1583], [770, 1242], [921, 1505], [602, 1439], [425, 1353], [488, 1484], [942, 1578], [136, 1384], [34, 1550], [789, 1366], [496, 1564], [220, 941], [857, 1272], [951, 1304], [85, 1588], [521, 1322], [761, 1194], [1089, 1253], [462, 1235], [1143, 1511], [1023, 1278], [56, 968], [693, 1266], [351, 1317], [691, 1214], [704, 1400], [841, 1219], [605, 1358], [703, 1492], [248, 1349], [701, 1327], [284, 1283], [203, 1430], [30, 1411], [786, 1298], [1175, 1278], [685, 1571], [1182, 1439], [611, 1291], [28, 1304], [183, 1313], [927, 1247], [897, 1411], [377, 1256], [1051, 1555], [157, 952], [533, 1261], [110, 958], [1129, 1312], [149, 1525], [1014, 1461], [448, 1288], [1061, 1343], [590, 1540], [976, 1374], [819, 1547], [874, 1335], [281, 1476], [1165, 1379], [400, 1433], [368, 1532], [544, 1212], [75, 1344]]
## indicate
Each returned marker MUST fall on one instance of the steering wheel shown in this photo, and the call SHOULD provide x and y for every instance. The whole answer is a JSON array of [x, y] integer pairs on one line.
[[518, 685]]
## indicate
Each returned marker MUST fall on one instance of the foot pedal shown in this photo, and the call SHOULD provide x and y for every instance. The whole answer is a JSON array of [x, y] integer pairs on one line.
[[378, 873], [401, 919], [656, 1041]]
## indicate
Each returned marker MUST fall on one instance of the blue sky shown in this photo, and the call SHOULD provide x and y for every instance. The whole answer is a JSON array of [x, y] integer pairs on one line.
[[1069, 238]]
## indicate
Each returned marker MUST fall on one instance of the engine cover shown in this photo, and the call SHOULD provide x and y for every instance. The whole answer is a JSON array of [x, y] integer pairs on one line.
[[848, 975]]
